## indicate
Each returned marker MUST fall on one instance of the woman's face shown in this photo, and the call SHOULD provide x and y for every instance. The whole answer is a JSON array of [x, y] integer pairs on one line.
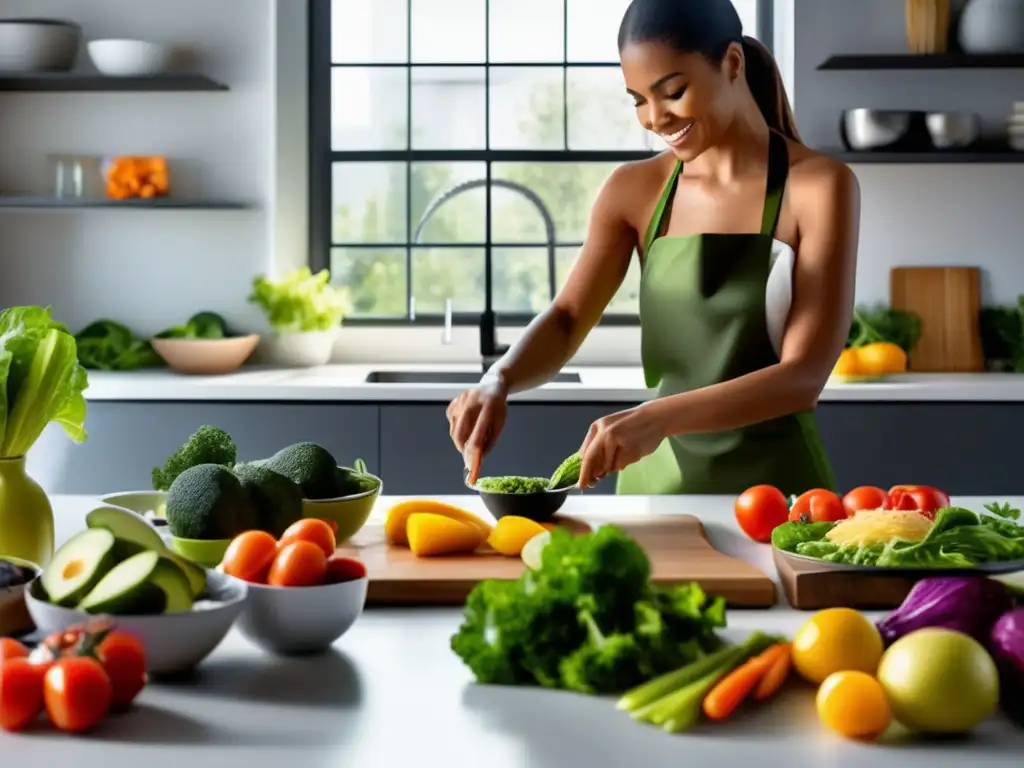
[[682, 97]]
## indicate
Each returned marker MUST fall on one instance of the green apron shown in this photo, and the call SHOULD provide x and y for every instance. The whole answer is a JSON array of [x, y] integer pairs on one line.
[[702, 318]]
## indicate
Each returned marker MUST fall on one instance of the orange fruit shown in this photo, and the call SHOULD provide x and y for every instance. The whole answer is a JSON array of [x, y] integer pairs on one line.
[[854, 705]]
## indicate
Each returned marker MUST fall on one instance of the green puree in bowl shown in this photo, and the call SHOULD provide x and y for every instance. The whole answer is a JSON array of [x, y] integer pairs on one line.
[[512, 484]]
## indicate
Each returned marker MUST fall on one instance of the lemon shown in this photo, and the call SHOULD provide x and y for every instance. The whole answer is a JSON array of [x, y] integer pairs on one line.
[[836, 640], [854, 705], [532, 550]]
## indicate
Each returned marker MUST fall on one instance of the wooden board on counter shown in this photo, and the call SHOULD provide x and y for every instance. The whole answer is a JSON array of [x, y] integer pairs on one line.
[[677, 547], [810, 587], [948, 301]]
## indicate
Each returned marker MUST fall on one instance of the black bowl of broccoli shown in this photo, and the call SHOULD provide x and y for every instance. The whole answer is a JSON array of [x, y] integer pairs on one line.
[[514, 496]]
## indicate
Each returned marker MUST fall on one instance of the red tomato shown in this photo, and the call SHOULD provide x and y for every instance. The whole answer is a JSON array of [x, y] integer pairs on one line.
[[341, 569], [817, 506], [21, 693], [77, 693], [124, 658], [11, 649], [299, 564], [864, 497], [759, 510], [313, 530], [249, 556], [920, 498]]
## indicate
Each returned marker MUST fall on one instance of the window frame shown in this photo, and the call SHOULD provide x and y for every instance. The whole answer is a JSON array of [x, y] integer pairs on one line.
[[322, 157]]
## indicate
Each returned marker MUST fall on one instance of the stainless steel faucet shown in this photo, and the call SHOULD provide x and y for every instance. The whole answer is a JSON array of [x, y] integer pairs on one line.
[[446, 334]]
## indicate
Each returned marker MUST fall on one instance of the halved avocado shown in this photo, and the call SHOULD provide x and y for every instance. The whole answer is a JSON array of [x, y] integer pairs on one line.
[[79, 565], [132, 529], [194, 573], [171, 579], [127, 589]]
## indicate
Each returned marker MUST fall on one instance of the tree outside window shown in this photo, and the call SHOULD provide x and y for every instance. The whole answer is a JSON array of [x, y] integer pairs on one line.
[[426, 95]]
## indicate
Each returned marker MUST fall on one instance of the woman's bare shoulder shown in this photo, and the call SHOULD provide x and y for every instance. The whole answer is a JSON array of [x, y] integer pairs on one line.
[[633, 189], [816, 176]]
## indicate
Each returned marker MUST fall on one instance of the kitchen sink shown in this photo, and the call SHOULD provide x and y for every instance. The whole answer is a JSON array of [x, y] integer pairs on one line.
[[446, 377]]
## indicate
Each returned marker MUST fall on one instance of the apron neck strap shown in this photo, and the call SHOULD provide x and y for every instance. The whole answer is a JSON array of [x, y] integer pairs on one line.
[[654, 228], [778, 171]]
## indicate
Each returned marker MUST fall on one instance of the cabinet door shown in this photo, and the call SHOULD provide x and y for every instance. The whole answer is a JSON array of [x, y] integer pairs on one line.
[[126, 440], [418, 457]]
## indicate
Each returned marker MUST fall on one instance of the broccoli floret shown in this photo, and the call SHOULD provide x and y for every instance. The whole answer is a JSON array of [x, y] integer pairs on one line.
[[208, 502], [278, 501], [207, 445], [604, 663], [310, 466]]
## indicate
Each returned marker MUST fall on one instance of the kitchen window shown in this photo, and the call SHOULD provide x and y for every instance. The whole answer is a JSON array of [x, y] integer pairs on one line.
[[444, 130]]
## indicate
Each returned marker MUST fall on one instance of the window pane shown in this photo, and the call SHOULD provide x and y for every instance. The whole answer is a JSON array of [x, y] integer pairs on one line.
[[368, 108], [368, 203], [594, 29], [520, 280], [568, 191], [375, 277], [448, 31], [368, 31], [527, 108], [601, 115], [449, 108], [626, 301], [527, 30], [459, 219], [747, 9], [448, 273]]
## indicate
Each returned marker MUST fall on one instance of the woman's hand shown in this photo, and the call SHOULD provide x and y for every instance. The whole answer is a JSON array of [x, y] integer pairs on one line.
[[475, 419], [616, 441]]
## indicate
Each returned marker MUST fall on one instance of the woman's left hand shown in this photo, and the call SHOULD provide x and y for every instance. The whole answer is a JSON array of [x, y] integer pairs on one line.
[[616, 441]]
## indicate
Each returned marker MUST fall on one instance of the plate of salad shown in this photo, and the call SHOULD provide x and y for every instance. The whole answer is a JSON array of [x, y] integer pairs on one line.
[[904, 542]]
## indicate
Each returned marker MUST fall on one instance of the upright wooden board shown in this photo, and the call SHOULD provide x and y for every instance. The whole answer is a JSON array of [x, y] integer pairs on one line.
[[677, 547], [809, 586]]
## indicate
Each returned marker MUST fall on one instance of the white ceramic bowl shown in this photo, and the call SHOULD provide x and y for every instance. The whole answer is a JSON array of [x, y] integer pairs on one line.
[[38, 45], [298, 350], [152, 505], [175, 642], [127, 58], [298, 620]]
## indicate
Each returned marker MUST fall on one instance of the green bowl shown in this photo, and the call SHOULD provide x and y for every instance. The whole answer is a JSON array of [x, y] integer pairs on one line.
[[349, 512], [205, 552]]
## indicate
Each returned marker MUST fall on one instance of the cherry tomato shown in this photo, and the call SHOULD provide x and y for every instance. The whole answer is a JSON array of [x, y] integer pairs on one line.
[[340, 569], [77, 693], [299, 564], [920, 498], [124, 659], [249, 556], [11, 649], [759, 510], [332, 523], [817, 506], [21, 693], [864, 497], [312, 530]]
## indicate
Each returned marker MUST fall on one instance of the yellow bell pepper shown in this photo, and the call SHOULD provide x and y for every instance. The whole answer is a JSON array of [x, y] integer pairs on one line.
[[880, 358]]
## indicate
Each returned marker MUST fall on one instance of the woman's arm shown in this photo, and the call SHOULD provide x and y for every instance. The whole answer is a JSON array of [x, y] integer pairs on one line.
[[828, 216], [553, 337]]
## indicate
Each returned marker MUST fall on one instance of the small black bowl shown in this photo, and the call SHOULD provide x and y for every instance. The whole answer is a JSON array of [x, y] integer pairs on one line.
[[539, 507]]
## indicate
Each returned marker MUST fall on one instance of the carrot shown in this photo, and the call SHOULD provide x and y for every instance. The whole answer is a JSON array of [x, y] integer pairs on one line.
[[775, 676], [732, 689]]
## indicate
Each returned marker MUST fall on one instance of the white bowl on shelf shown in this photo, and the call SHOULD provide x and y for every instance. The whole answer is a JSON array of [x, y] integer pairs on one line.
[[129, 58]]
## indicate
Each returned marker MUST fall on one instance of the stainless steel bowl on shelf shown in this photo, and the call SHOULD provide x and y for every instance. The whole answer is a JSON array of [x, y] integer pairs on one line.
[[953, 130], [38, 45], [865, 128]]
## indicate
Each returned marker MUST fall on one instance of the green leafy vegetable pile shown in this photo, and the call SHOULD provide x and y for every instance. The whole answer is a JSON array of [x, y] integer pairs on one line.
[[202, 325], [587, 620], [40, 379], [875, 324], [300, 301], [959, 538], [1002, 337], [107, 345]]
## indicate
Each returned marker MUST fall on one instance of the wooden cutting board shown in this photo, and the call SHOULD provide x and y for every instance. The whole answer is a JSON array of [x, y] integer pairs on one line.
[[677, 547], [810, 587], [948, 301]]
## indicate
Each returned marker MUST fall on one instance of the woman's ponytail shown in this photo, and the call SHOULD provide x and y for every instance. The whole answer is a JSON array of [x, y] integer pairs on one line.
[[765, 82]]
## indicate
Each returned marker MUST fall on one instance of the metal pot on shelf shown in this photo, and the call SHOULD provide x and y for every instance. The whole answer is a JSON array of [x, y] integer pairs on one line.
[[992, 26]]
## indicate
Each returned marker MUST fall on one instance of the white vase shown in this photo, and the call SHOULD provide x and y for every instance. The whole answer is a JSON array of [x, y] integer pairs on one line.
[[992, 26], [298, 350]]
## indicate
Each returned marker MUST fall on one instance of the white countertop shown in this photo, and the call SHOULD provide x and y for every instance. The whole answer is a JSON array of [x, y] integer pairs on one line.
[[393, 694], [347, 383]]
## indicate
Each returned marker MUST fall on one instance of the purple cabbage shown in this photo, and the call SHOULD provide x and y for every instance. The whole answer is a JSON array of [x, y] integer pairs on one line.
[[968, 604], [1006, 644]]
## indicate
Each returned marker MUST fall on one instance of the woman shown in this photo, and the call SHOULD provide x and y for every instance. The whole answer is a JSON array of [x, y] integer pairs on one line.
[[741, 327]]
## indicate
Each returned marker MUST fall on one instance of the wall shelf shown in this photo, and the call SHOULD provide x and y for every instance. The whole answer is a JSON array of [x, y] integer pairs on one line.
[[69, 82], [935, 157], [27, 202], [912, 61]]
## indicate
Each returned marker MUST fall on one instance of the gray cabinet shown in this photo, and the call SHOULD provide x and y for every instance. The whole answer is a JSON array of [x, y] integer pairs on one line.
[[126, 440], [418, 457]]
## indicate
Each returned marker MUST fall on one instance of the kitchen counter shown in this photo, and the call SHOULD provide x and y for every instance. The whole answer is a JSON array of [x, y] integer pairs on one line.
[[347, 383], [393, 694]]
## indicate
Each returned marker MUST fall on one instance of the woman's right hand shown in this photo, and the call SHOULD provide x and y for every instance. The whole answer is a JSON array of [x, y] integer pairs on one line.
[[475, 419]]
